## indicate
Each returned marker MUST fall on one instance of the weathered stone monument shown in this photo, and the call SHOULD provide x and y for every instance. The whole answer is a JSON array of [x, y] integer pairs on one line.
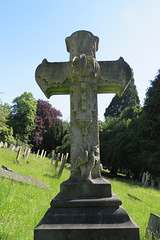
[[85, 208]]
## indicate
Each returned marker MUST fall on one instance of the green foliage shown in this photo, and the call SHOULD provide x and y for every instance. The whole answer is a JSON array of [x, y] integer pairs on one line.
[[22, 206], [22, 116], [6, 132], [53, 137], [115, 142], [64, 147], [128, 99], [150, 127], [131, 141]]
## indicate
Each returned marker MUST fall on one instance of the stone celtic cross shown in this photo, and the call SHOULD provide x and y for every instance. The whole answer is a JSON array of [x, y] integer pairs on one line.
[[83, 77], [85, 208]]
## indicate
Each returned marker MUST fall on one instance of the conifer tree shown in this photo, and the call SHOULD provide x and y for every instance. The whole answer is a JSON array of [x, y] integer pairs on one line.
[[128, 99]]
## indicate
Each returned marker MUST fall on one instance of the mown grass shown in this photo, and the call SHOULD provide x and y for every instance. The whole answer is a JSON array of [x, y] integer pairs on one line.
[[22, 206]]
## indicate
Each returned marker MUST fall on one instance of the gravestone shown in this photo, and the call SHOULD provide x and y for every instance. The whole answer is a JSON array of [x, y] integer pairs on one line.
[[52, 159], [18, 155], [42, 153], [57, 159], [85, 208], [37, 153], [27, 153], [153, 228], [1, 144], [13, 148], [21, 178], [64, 160], [5, 145]]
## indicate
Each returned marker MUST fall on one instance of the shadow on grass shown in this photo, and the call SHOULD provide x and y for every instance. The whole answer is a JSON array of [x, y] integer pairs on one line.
[[54, 175]]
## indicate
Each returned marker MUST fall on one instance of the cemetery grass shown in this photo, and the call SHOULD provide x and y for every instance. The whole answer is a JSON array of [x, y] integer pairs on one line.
[[22, 206]]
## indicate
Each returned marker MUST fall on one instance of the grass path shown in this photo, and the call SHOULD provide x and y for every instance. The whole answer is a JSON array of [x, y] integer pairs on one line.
[[22, 206]]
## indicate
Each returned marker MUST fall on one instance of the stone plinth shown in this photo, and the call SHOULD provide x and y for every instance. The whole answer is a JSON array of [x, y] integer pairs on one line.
[[89, 219]]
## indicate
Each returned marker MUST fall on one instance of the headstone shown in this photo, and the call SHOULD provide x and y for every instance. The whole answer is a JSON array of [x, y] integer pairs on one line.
[[42, 153], [22, 178], [57, 159], [13, 148], [5, 145], [18, 148], [18, 155], [1, 144], [63, 164], [85, 208], [152, 182], [37, 153], [28, 152], [10, 147], [52, 158], [153, 228], [145, 179], [25, 151]]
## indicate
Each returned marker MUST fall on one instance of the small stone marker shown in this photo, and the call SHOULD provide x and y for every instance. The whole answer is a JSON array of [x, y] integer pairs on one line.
[[63, 164], [52, 158], [1, 144], [152, 182], [27, 153], [10, 147], [5, 145], [57, 159], [42, 153], [145, 179], [37, 153], [13, 148], [85, 208], [153, 228], [17, 149], [18, 155]]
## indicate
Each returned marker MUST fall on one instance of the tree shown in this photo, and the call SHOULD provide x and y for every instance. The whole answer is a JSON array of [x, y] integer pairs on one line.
[[128, 99], [48, 126], [116, 142], [6, 133], [150, 127], [22, 116]]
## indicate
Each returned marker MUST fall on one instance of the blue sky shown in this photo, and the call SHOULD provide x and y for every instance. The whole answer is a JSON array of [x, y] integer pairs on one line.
[[34, 29]]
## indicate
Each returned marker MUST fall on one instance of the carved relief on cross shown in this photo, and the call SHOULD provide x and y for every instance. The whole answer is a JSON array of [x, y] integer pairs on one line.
[[83, 77]]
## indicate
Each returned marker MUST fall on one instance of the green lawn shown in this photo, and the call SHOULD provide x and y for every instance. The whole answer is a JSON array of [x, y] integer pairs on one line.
[[22, 206]]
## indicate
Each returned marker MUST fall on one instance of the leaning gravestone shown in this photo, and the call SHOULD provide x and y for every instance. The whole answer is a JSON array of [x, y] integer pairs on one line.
[[64, 160], [85, 208], [8, 173], [153, 228]]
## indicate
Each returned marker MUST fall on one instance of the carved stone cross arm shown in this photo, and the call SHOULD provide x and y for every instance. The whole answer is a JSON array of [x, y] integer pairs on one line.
[[114, 76], [55, 78]]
